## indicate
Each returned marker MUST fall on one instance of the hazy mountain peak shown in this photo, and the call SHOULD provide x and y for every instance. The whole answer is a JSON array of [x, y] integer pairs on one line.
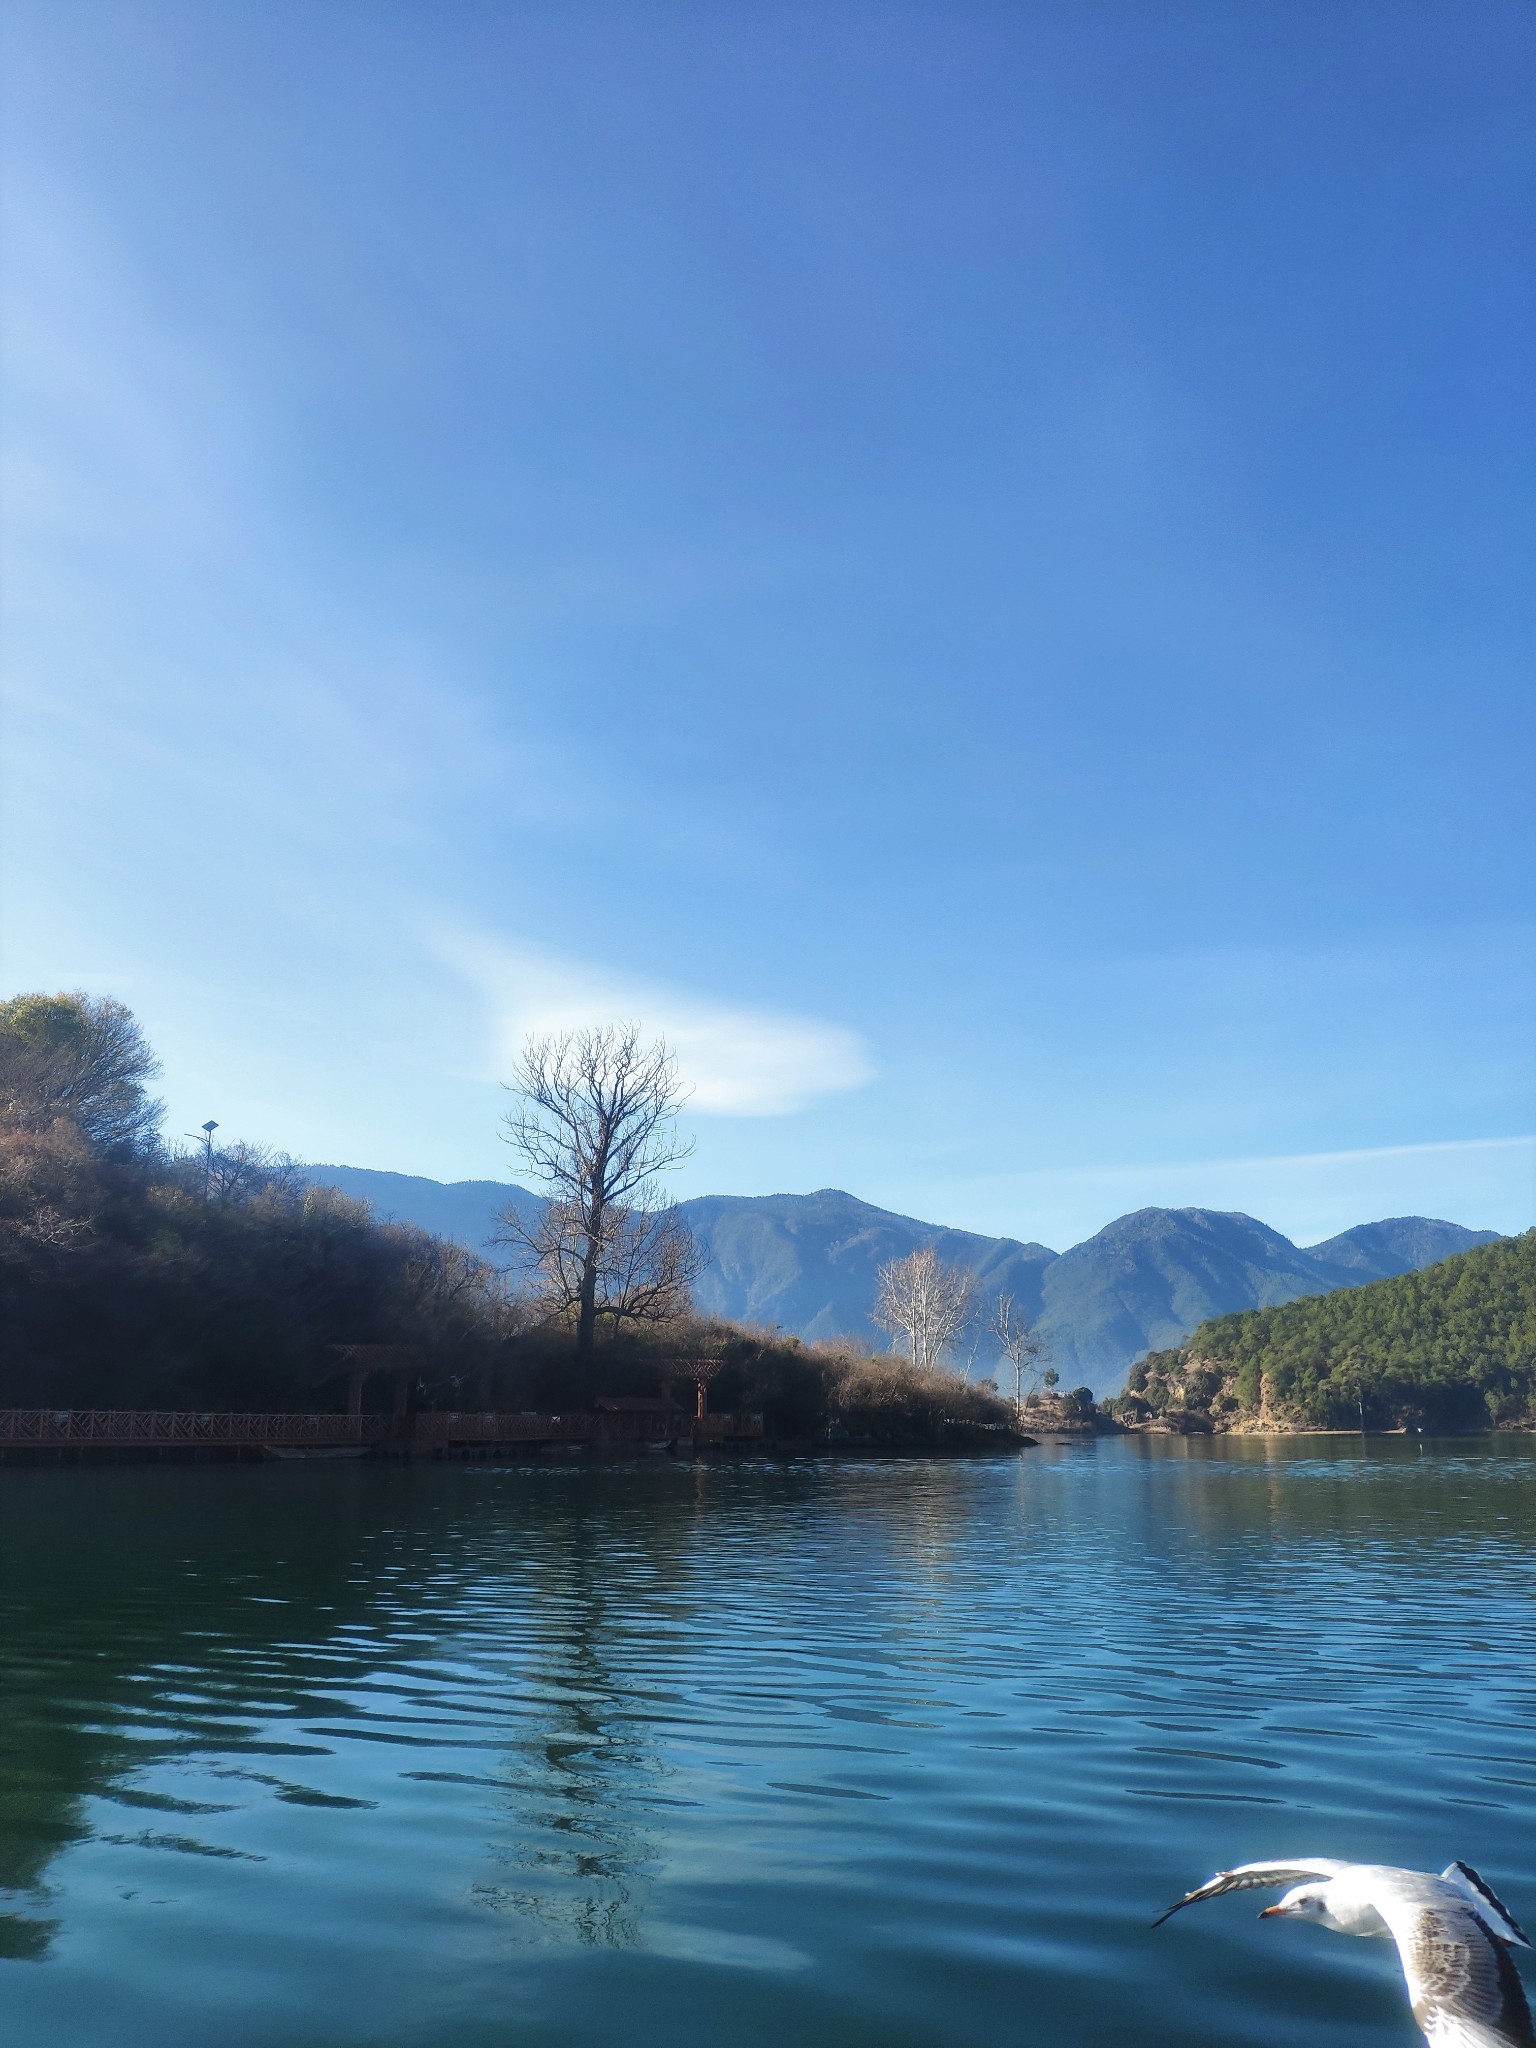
[[1397, 1244]]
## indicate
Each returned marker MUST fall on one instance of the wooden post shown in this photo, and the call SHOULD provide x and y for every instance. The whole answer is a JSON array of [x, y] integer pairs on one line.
[[701, 1371], [355, 1391]]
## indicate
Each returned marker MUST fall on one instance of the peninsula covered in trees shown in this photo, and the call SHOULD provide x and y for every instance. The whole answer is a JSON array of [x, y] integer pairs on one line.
[[1451, 1347], [134, 1275]]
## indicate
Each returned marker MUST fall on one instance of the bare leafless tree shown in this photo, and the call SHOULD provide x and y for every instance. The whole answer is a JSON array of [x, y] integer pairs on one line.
[[233, 1175], [1019, 1344], [924, 1303], [595, 1120], [444, 1294]]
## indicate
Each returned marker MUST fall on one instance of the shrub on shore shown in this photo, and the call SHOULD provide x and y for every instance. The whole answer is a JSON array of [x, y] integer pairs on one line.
[[806, 1393]]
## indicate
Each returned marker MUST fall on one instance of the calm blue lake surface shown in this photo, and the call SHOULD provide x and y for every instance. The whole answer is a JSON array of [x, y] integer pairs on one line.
[[825, 1753]]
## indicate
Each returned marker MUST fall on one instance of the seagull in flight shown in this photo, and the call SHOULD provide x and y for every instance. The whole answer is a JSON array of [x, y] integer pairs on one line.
[[1453, 1937]]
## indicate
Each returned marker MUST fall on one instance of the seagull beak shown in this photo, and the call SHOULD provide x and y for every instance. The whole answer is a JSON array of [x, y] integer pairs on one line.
[[1272, 1913]]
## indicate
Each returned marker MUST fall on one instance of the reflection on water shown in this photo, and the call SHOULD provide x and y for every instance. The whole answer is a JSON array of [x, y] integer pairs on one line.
[[895, 1752]]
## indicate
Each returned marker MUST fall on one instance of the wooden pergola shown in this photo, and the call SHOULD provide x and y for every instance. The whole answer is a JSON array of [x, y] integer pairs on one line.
[[700, 1370]]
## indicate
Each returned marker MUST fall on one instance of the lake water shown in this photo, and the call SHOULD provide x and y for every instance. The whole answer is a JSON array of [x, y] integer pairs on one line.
[[831, 1754]]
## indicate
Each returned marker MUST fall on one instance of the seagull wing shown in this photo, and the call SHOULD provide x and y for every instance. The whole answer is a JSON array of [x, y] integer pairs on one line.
[[1462, 1983], [1486, 1903], [1249, 1877]]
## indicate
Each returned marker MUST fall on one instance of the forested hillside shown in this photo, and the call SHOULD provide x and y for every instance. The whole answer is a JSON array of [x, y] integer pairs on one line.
[[132, 1276], [1451, 1347]]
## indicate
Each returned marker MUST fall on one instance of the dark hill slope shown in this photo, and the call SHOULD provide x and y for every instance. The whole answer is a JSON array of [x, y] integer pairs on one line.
[[1147, 1279], [1399, 1244], [464, 1211], [808, 1263]]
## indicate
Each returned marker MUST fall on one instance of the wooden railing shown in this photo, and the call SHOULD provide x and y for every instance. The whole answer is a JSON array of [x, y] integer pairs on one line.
[[145, 1426]]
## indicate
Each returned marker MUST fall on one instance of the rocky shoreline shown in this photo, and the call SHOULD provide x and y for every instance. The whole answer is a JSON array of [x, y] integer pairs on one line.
[[1184, 1423]]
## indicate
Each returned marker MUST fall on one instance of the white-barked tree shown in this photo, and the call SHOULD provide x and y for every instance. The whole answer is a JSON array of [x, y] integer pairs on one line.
[[924, 1303]]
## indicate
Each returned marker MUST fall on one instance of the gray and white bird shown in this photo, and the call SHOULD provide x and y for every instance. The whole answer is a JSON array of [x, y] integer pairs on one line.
[[1453, 1937]]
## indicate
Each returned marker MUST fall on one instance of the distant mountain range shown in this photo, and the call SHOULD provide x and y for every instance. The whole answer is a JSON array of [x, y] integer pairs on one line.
[[807, 1263]]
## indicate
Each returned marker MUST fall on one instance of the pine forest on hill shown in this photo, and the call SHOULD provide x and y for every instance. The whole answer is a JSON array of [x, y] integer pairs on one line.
[[1451, 1347]]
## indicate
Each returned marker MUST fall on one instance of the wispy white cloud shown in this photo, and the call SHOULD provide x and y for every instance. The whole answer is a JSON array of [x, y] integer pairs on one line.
[[1288, 1159], [737, 1062]]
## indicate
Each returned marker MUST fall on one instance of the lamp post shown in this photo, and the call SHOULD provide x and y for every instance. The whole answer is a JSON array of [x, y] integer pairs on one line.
[[208, 1130]]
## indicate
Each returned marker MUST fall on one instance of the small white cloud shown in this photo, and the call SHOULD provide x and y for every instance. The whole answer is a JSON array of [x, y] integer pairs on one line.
[[736, 1062]]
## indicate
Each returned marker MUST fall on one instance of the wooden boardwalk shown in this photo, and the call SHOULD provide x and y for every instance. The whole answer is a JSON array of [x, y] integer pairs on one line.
[[426, 1434]]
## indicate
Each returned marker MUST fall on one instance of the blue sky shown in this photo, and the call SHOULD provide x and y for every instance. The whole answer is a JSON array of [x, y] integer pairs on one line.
[[969, 564]]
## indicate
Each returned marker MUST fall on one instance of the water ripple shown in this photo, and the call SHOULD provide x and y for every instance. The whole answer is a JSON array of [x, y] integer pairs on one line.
[[910, 1751]]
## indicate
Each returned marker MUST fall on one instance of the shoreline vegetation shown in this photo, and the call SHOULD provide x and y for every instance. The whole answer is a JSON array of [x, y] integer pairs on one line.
[[1450, 1350], [136, 1277]]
